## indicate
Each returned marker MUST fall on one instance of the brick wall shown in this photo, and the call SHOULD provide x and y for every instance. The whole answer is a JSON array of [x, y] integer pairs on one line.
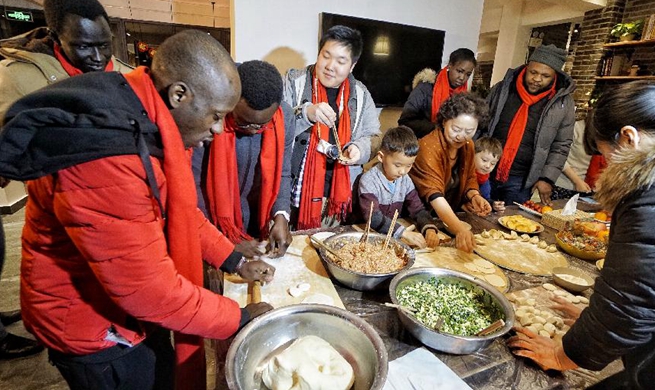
[[643, 55], [595, 30]]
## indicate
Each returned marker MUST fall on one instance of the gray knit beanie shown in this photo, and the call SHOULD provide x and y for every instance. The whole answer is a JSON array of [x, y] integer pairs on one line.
[[550, 55]]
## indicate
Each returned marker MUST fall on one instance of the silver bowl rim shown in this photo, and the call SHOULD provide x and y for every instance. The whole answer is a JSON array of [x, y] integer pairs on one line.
[[410, 254], [509, 320], [361, 324]]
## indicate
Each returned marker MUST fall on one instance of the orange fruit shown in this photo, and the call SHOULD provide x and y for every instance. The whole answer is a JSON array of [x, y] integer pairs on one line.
[[603, 235], [601, 216], [546, 209]]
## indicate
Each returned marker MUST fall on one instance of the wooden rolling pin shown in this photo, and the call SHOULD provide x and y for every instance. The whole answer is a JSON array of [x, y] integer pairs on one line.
[[254, 288], [256, 293]]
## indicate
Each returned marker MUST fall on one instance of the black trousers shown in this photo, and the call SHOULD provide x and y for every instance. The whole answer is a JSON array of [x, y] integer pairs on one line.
[[149, 365]]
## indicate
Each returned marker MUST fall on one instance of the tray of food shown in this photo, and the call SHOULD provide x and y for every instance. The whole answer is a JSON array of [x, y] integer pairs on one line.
[[586, 240], [521, 224]]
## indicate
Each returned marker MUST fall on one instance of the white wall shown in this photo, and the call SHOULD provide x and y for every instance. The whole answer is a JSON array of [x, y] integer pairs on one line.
[[285, 32]]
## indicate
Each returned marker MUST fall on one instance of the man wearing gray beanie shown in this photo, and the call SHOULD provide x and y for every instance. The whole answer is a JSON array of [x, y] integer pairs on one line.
[[532, 114]]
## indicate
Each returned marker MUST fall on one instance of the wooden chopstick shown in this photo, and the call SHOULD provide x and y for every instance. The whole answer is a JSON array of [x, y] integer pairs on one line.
[[393, 223], [491, 328]]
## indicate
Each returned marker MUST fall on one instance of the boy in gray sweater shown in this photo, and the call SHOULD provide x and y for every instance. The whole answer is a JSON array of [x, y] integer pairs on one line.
[[388, 188]]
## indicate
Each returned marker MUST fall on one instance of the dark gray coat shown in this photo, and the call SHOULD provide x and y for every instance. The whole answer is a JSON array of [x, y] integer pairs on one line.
[[554, 133]]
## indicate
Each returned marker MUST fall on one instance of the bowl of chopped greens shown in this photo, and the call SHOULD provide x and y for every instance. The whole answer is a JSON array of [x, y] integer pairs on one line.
[[446, 309]]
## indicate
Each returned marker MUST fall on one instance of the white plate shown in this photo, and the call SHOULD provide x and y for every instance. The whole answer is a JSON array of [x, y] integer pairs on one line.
[[527, 209], [321, 236], [540, 227]]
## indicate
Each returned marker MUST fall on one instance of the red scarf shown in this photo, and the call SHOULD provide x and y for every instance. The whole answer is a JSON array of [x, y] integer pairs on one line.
[[69, 68], [442, 91], [517, 127], [313, 182], [222, 189], [596, 166], [181, 233], [481, 178]]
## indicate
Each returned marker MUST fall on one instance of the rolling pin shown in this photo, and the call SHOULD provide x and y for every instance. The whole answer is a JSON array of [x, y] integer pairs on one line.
[[254, 288], [256, 294]]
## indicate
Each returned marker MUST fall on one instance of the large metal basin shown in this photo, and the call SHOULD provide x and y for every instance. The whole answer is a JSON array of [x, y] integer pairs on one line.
[[358, 280], [443, 341], [269, 334]]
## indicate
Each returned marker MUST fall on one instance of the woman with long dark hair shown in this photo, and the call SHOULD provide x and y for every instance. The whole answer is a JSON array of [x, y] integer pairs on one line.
[[620, 319]]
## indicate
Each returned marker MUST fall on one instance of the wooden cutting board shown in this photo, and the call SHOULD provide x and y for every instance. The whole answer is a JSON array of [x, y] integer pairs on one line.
[[301, 264], [520, 256], [469, 263]]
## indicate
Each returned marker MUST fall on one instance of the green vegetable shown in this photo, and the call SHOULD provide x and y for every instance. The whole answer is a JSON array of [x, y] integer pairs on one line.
[[465, 311]]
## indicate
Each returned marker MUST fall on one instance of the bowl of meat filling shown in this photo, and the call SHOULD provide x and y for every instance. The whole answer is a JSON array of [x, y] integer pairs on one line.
[[367, 265], [450, 311]]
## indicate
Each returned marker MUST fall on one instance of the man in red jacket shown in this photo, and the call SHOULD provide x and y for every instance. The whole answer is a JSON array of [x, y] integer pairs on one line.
[[113, 240]]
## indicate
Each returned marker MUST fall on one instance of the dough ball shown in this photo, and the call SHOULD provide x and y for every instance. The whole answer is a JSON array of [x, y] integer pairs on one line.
[[575, 299], [304, 287], [309, 363]]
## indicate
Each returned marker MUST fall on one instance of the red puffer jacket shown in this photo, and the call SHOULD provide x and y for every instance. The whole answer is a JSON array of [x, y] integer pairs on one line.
[[95, 258]]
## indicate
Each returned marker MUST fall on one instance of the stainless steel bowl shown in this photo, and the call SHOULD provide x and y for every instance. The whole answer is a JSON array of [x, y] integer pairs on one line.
[[269, 334], [359, 280], [443, 341]]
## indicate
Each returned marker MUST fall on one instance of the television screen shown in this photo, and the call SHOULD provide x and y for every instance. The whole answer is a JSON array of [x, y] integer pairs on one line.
[[393, 53]]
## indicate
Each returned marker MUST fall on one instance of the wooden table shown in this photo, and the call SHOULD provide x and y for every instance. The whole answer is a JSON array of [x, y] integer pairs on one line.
[[494, 367]]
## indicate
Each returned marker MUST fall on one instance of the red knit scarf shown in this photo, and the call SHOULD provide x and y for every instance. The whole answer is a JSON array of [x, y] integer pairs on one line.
[[313, 182], [442, 91], [69, 68], [181, 232], [517, 127], [481, 178], [222, 189]]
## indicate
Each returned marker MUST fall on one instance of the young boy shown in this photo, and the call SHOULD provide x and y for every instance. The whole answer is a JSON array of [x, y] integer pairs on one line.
[[388, 188], [487, 153]]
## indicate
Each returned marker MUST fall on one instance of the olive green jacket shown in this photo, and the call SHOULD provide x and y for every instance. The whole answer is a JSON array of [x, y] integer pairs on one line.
[[29, 64]]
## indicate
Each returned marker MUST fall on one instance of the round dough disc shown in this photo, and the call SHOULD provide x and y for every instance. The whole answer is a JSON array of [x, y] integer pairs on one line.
[[482, 263], [472, 267], [495, 280], [319, 298]]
